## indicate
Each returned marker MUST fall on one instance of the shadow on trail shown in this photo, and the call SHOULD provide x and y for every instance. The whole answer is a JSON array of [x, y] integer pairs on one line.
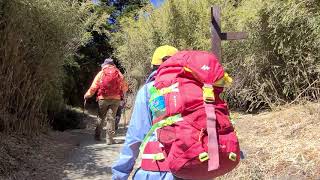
[[92, 159]]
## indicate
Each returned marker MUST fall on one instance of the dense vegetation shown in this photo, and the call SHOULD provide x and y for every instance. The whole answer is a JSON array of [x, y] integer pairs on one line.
[[278, 63], [51, 49], [88, 57], [36, 38], [49, 53]]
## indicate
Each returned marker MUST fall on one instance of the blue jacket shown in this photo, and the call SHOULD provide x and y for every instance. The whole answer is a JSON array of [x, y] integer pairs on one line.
[[140, 124]]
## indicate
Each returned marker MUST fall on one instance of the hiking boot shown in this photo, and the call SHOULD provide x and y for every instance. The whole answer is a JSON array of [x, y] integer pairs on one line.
[[97, 135], [110, 135], [110, 141]]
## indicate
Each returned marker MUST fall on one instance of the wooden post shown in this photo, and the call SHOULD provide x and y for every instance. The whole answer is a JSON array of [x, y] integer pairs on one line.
[[216, 31], [218, 36]]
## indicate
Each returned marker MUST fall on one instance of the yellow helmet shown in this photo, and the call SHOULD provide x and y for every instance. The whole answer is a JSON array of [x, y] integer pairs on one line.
[[162, 52]]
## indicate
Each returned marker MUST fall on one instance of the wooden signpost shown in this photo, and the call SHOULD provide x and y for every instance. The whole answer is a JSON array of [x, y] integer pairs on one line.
[[218, 36]]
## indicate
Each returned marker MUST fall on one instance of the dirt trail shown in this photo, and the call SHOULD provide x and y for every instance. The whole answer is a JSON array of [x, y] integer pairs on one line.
[[91, 159], [283, 144]]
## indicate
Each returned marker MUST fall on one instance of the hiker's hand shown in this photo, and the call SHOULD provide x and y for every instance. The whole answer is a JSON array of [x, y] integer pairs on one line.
[[86, 96], [123, 98]]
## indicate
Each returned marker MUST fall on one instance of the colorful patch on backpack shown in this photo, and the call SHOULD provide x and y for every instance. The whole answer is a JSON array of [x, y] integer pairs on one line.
[[157, 103]]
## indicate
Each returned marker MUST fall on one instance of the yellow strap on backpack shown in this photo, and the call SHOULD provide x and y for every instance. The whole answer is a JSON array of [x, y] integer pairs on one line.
[[226, 81]]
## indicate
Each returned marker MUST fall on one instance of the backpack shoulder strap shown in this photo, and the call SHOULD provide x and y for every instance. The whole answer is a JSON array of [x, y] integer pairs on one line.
[[151, 77]]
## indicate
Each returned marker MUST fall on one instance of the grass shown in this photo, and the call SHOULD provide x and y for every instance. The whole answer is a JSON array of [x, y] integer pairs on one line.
[[283, 144]]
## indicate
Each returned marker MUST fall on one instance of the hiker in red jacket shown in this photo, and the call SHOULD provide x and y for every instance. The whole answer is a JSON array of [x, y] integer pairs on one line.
[[110, 85]]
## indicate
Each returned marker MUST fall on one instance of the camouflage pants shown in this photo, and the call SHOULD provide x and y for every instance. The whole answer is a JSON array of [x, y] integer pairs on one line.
[[107, 113]]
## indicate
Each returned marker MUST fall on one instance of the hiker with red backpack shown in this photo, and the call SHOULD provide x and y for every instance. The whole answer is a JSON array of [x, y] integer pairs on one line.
[[110, 86], [189, 131]]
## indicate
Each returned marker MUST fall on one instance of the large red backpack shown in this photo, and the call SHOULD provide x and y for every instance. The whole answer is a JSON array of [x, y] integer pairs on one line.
[[195, 138], [110, 83]]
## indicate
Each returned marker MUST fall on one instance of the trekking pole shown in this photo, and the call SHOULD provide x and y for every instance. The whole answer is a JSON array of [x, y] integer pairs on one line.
[[84, 106], [82, 124], [124, 113], [124, 118]]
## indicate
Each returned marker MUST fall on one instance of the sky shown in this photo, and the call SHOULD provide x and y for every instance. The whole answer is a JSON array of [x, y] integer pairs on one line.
[[155, 3]]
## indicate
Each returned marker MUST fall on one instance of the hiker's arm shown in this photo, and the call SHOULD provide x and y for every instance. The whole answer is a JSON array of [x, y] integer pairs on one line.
[[124, 86], [94, 86], [138, 128]]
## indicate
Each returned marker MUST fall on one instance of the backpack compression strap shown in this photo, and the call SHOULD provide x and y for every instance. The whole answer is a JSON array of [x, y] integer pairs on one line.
[[163, 123], [213, 150]]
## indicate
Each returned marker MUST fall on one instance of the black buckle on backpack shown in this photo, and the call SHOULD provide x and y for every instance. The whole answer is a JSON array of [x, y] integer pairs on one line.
[[209, 100]]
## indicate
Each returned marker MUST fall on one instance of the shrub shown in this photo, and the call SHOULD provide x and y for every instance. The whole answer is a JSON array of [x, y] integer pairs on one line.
[[36, 37], [68, 118], [278, 63]]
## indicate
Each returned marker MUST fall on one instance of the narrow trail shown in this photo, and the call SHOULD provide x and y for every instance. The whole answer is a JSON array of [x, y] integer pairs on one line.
[[91, 159], [266, 138]]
